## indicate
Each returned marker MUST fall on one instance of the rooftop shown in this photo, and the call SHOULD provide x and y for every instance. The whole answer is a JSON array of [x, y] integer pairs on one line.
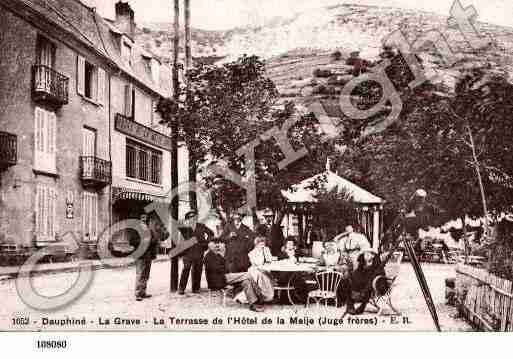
[[88, 27]]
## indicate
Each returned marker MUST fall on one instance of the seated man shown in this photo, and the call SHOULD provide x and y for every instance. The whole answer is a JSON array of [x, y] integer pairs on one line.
[[215, 267], [218, 277], [259, 256], [352, 244], [360, 285]]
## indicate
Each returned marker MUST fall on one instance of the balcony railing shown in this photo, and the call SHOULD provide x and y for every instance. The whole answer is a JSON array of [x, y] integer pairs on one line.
[[49, 86], [95, 172], [8, 150]]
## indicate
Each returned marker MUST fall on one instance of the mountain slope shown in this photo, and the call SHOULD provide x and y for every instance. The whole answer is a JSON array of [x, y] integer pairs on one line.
[[342, 26], [295, 46]]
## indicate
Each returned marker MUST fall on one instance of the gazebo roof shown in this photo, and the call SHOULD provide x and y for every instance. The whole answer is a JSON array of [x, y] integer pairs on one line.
[[303, 194]]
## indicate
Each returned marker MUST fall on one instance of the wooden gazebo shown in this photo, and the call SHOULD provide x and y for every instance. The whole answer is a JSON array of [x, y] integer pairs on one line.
[[301, 199]]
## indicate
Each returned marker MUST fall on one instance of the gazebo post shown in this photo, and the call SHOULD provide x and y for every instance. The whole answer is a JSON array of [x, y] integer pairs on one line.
[[376, 228], [300, 227]]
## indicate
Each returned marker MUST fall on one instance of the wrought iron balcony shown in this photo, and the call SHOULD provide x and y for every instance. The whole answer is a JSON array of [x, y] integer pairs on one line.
[[49, 86], [8, 150], [95, 172]]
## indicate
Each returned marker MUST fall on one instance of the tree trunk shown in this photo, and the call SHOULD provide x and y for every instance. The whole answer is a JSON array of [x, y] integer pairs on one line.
[[479, 178], [465, 241], [481, 186]]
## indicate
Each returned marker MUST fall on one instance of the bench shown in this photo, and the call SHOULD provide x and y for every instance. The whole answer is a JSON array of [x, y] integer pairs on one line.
[[13, 254]]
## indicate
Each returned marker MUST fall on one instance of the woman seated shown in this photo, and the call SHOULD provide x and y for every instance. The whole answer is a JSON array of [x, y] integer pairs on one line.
[[258, 257], [289, 251]]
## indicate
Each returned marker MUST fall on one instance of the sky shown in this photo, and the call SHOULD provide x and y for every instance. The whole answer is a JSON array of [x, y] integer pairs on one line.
[[227, 14]]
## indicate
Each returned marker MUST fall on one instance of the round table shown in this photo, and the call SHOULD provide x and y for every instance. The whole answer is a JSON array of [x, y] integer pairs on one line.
[[295, 270]]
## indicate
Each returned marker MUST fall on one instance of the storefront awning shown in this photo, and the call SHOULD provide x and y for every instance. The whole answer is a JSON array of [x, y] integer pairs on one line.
[[124, 194]]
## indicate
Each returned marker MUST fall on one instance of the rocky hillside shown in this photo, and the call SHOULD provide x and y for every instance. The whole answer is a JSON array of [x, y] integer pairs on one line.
[[296, 46]]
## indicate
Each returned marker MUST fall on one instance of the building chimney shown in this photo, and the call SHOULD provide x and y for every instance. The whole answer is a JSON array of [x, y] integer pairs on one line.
[[125, 21]]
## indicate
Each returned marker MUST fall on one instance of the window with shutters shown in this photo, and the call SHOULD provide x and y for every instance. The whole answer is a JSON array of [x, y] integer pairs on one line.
[[126, 53], [90, 216], [143, 163], [91, 85], [45, 137], [129, 101], [45, 52], [91, 81], [155, 71], [131, 160], [88, 142], [45, 213]]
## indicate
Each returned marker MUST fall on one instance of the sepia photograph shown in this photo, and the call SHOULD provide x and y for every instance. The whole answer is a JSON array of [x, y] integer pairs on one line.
[[256, 166]]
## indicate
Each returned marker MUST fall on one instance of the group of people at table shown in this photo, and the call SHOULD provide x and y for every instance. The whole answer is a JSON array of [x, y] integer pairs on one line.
[[239, 259]]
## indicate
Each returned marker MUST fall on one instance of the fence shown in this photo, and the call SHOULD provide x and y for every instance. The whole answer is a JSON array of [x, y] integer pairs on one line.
[[485, 300]]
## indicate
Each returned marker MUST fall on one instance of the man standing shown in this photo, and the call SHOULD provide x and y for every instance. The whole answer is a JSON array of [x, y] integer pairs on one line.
[[152, 231], [271, 229], [351, 244], [193, 257], [239, 242]]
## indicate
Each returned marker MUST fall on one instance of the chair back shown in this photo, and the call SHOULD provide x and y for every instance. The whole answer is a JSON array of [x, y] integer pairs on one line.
[[394, 265], [328, 280]]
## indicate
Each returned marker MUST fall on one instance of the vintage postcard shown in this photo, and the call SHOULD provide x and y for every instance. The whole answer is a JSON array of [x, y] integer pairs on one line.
[[271, 165]]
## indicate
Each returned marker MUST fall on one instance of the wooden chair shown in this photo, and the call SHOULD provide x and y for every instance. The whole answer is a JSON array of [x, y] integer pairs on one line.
[[328, 282], [383, 298]]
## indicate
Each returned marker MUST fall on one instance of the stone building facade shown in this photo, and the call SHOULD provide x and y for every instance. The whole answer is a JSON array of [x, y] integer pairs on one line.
[[80, 142]]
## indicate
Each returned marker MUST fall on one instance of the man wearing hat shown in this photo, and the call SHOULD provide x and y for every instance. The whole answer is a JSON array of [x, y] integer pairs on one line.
[[352, 244], [193, 257], [359, 288], [239, 242], [271, 229], [152, 230]]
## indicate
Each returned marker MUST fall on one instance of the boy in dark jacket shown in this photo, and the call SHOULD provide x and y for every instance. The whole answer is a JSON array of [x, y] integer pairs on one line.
[[215, 267]]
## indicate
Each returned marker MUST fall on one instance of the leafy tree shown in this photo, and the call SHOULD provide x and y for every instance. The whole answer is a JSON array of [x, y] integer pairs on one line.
[[226, 107], [221, 109], [440, 143]]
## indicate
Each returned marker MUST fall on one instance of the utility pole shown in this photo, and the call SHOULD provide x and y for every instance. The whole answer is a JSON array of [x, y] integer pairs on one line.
[[174, 145], [188, 65], [188, 53]]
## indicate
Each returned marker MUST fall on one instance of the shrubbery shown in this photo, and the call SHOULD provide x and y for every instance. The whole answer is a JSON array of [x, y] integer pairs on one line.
[[336, 56]]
